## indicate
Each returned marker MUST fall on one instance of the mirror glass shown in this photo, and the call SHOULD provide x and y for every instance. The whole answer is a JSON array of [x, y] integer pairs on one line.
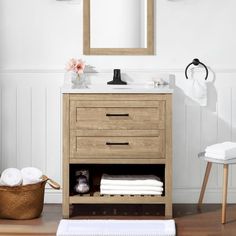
[[118, 23]]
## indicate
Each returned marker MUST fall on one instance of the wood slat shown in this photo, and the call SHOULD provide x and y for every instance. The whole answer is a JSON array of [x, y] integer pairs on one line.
[[108, 160], [117, 199]]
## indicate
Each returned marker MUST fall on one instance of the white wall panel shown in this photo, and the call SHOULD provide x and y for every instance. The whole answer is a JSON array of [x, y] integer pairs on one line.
[[39, 127], [24, 127], [9, 127], [30, 126], [53, 133]]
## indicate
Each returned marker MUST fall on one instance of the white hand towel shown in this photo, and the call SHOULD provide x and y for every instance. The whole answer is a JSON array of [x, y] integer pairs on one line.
[[11, 177], [129, 192], [136, 188], [31, 175], [131, 180], [197, 91], [226, 149]]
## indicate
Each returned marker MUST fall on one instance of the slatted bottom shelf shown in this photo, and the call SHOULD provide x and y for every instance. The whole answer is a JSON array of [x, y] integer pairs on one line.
[[96, 197]]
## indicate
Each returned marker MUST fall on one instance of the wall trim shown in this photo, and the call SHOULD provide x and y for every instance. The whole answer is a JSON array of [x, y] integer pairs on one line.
[[53, 196]]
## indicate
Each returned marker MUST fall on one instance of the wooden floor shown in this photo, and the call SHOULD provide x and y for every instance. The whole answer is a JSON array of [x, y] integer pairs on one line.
[[189, 220]]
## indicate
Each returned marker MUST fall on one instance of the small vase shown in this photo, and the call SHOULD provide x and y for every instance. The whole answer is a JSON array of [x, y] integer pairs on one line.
[[75, 80], [70, 78], [80, 81]]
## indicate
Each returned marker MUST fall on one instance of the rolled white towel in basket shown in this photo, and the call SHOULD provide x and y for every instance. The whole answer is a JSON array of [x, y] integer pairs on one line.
[[11, 177], [31, 175]]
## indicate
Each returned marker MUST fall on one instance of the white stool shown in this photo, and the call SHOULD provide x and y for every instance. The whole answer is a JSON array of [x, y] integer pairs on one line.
[[225, 180]]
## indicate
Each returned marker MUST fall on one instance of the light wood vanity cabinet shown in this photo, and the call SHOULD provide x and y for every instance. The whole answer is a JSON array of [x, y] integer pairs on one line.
[[118, 129]]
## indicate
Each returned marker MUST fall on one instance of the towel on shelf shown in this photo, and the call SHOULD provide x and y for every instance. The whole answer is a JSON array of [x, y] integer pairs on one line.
[[11, 177], [131, 180], [135, 188], [226, 150], [31, 175], [129, 192]]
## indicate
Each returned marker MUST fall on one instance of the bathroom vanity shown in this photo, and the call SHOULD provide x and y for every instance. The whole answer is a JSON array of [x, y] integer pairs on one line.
[[119, 131]]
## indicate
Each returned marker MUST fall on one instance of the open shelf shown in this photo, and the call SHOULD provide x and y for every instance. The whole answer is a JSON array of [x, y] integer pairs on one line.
[[96, 171]]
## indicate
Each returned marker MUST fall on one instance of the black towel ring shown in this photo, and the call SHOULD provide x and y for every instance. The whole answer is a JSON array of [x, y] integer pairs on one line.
[[196, 62]]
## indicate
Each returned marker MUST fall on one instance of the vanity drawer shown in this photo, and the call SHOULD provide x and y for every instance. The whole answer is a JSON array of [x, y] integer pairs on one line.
[[117, 147], [117, 115]]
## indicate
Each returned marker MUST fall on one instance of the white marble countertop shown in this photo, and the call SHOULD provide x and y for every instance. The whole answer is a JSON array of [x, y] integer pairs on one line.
[[118, 89]]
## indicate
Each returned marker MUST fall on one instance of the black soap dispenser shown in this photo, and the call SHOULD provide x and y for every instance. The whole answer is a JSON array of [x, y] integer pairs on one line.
[[117, 78]]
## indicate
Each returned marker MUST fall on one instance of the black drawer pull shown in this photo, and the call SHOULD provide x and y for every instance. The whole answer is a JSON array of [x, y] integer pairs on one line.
[[110, 143], [108, 114]]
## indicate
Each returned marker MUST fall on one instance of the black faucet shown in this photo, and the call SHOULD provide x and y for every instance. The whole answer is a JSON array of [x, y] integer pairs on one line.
[[117, 78]]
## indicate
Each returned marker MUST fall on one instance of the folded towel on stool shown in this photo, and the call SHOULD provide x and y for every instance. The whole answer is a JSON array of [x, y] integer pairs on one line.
[[31, 175], [11, 177], [224, 150]]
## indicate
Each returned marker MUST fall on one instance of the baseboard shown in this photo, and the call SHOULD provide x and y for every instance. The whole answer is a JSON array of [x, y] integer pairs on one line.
[[53, 196], [179, 196]]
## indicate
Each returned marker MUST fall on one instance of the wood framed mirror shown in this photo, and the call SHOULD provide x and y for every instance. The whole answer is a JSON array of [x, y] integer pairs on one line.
[[118, 27]]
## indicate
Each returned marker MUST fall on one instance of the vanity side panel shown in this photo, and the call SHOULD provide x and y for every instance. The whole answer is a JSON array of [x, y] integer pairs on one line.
[[66, 153], [168, 167]]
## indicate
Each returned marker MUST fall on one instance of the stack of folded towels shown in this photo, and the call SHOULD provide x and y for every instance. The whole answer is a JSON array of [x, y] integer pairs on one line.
[[131, 185], [221, 151], [13, 177]]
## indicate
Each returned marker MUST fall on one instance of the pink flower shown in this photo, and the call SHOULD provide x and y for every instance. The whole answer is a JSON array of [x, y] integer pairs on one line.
[[76, 65]]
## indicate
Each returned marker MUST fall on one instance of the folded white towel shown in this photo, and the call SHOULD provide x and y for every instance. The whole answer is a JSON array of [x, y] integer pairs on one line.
[[218, 156], [129, 192], [131, 180], [226, 149], [136, 188], [11, 177], [31, 175]]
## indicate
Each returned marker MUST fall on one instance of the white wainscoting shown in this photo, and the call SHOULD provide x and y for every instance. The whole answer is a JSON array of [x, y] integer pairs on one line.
[[30, 127]]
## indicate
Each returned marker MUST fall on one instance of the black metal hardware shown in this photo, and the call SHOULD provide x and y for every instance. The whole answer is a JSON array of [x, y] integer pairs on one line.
[[196, 62], [117, 114], [110, 143], [117, 78]]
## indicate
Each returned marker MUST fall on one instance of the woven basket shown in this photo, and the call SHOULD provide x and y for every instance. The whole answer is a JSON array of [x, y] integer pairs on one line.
[[24, 202]]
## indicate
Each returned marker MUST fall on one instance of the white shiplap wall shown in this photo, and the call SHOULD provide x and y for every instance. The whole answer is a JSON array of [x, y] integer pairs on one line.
[[30, 110], [30, 127]]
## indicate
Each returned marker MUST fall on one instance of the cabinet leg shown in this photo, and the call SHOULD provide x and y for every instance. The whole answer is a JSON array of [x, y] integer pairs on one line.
[[66, 210], [168, 210]]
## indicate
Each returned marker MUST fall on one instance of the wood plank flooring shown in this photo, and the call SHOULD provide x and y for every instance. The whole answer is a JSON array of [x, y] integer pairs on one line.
[[189, 220]]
